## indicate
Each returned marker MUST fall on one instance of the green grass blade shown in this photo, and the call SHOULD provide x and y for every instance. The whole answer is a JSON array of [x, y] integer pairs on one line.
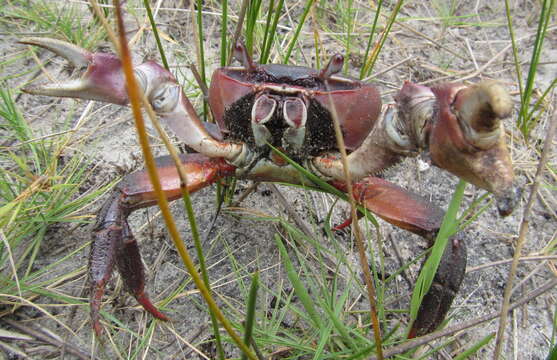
[[272, 32], [199, 14], [251, 21], [202, 267], [294, 39], [224, 34], [156, 33], [250, 316], [324, 340], [267, 36], [349, 21], [524, 122], [299, 287], [516, 58], [370, 62], [370, 40]]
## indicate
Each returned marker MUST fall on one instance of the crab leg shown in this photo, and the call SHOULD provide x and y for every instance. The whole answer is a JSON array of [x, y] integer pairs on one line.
[[409, 211], [114, 243], [104, 81]]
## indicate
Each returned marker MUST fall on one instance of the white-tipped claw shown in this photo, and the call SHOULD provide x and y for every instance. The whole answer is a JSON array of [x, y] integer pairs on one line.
[[480, 109], [77, 56]]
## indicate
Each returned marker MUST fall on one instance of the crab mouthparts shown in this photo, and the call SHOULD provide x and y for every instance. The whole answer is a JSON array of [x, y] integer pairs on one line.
[[295, 112], [292, 111]]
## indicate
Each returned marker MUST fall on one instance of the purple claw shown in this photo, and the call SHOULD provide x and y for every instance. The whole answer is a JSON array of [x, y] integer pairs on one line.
[[468, 138], [103, 80], [113, 241]]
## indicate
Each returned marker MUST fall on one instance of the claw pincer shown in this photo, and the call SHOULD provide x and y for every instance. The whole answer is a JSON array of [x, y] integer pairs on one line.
[[103, 80]]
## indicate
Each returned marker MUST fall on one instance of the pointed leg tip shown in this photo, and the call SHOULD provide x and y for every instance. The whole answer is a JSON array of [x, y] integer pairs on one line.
[[162, 317], [36, 90], [95, 319], [346, 223], [143, 299], [508, 201], [97, 328]]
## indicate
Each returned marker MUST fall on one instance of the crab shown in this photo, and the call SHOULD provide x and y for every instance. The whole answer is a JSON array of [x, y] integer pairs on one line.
[[261, 108]]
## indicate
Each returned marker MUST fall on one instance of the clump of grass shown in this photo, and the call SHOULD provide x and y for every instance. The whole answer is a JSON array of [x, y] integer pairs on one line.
[[39, 187], [61, 20], [530, 112]]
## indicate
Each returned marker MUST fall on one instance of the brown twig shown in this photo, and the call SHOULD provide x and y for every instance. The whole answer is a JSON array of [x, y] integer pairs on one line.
[[301, 225], [202, 86], [400, 261], [506, 261], [245, 194], [12, 349], [238, 28], [364, 264]]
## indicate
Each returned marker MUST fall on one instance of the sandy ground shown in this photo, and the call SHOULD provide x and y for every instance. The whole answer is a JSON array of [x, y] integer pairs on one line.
[[426, 51]]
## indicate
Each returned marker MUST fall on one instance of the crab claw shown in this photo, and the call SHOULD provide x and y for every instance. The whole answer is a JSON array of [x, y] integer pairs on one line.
[[468, 139], [103, 80], [464, 133], [480, 109]]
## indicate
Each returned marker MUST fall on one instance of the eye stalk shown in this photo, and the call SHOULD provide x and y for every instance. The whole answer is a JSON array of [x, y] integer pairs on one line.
[[333, 67], [241, 54], [165, 98]]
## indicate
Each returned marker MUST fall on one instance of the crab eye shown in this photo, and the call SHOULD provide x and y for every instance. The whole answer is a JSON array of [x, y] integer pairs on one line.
[[333, 67], [164, 98], [263, 109], [295, 112], [241, 54]]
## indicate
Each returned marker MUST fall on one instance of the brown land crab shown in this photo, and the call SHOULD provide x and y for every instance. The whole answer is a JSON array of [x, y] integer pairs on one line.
[[292, 109]]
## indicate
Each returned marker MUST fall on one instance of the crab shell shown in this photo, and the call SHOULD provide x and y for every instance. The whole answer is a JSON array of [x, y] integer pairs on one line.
[[355, 104]]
